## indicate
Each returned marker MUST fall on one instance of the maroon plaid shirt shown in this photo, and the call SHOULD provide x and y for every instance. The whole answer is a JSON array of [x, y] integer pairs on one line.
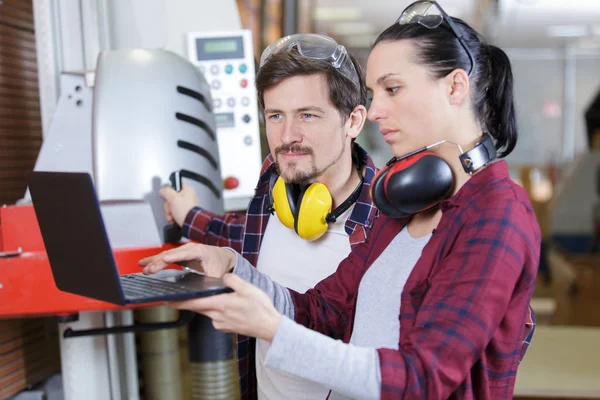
[[465, 320], [244, 233]]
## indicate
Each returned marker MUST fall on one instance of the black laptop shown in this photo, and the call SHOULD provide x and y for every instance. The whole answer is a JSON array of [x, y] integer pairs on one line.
[[80, 255]]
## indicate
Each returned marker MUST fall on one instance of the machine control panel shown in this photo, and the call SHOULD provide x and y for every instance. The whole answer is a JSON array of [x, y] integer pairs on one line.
[[226, 60]]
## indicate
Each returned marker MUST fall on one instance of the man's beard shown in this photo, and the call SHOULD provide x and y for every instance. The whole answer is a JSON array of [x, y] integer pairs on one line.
[[298, 176]]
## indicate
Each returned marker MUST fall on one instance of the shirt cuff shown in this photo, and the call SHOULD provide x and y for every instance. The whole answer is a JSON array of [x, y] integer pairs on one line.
[[189, 220]]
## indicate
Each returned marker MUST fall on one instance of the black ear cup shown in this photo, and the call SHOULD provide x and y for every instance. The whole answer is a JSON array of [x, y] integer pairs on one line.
[[412, 184], [420, 185], [379, 197]]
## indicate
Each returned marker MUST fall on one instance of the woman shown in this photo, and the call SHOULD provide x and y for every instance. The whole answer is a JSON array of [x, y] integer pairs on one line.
[[435, 304]]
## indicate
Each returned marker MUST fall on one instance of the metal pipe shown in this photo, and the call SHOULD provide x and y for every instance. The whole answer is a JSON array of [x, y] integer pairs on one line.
[[213, 368]]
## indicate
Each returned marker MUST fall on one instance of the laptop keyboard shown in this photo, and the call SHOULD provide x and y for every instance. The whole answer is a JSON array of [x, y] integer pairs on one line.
[[139, 287]]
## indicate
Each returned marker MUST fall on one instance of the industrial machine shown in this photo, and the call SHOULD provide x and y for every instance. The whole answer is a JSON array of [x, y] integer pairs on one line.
[[141, 117]]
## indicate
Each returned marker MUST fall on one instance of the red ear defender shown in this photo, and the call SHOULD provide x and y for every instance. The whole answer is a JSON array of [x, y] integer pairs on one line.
[[412, 184]]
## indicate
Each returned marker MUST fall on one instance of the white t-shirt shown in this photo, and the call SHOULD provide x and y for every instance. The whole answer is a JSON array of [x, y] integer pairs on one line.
[[298, 264]]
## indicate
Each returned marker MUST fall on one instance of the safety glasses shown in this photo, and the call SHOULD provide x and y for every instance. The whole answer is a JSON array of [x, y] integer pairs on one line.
[[316, 47], [431, 15]]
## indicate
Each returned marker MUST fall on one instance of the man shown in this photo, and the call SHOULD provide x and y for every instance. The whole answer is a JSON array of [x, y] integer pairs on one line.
[[313, 96]]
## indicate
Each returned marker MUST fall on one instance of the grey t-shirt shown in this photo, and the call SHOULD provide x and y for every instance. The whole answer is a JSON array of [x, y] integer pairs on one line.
[[350, 370]]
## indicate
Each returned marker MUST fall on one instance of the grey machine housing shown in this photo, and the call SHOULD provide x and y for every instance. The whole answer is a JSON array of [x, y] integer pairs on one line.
[[143, 115]]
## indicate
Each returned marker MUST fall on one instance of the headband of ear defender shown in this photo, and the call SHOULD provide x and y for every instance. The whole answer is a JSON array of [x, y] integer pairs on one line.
[[420, 180], [307, 209]]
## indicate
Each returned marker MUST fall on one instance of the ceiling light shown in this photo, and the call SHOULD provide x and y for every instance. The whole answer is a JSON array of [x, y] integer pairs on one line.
[[568, 30], [337, 14], [353, 28]]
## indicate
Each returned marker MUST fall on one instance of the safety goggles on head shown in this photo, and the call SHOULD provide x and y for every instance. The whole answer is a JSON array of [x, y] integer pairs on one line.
[[431, 15], [316, 47]]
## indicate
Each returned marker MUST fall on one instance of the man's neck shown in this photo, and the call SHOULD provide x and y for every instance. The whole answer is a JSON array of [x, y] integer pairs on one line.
[[341, 180]]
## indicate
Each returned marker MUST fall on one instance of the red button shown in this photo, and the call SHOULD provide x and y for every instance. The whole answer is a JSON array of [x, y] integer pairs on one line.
[[244, 83], [231, 183]]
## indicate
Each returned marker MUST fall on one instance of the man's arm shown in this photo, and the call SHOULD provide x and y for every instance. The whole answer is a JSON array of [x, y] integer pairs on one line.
[[218, 230]]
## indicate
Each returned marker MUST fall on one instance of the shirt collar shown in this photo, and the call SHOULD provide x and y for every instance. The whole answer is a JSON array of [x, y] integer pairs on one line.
[[494, 171]]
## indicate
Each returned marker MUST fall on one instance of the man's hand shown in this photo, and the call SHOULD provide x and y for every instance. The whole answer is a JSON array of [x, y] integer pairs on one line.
[[178, 204], [247, 311], [211, 260]]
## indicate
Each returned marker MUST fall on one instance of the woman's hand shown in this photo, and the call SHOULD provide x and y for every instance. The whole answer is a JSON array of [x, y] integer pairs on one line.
[[211, 260], [247, 311]]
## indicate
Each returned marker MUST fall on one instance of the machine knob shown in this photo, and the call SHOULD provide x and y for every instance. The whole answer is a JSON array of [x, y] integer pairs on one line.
[[231, 182], [246, 118]]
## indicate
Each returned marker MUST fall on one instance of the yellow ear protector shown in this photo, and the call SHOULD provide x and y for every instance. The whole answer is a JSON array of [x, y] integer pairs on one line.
[[307, 209]]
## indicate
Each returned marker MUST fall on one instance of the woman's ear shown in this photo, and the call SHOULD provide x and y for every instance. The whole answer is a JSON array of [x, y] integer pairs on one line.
[[458, 86], [356, 121]]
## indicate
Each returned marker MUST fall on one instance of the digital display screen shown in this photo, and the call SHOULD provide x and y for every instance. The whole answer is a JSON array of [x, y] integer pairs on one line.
[[221, 48], [224, 120]]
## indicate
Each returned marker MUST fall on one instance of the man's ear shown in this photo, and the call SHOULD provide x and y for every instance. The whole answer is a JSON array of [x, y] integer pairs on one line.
[[458, 86], [356, 121]]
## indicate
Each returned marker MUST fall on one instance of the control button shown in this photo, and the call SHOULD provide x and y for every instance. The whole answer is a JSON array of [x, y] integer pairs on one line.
[[216, 84], [231, 102], [214, 69], [228, 69], [246, 118], [248, 140], [216, 103], [231, 183], [245, 101], [244, 83], [243, 68]]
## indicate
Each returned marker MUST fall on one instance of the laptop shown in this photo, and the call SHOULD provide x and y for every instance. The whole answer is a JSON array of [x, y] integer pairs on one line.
[[80, 255]]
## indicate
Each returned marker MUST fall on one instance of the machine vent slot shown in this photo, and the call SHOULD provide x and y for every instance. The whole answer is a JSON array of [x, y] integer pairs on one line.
[[195, 121], [201, 179], [198, 150], [192, 93]]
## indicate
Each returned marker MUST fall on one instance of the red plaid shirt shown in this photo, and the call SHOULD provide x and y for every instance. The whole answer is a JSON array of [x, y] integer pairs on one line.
[[244, 233], [465, 306]]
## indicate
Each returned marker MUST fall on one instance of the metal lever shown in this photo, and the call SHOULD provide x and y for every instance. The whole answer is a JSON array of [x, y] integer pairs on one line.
[[172, 233], [184, 318], [7, 254]]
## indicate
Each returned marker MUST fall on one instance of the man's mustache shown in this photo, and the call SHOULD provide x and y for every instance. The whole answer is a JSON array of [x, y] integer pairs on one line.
[[293, 148]]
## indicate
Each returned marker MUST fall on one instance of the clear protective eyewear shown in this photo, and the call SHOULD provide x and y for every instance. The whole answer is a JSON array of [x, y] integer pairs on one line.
[[316, 47], [431, 15]]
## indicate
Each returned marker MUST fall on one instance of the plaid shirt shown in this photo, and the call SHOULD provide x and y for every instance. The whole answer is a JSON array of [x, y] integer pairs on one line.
[[465, 320], [244, 233]]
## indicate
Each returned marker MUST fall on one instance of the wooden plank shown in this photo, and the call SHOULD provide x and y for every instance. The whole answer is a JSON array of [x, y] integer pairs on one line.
[[20, 133], [20, 112], [6, 121], [17, 73], [25, 86], [18, 92], [8, 163], [21, 142], [20, 102], [25, 5], [16, 17], [9, 51], [28, 65], [13, 37], [12, 32]]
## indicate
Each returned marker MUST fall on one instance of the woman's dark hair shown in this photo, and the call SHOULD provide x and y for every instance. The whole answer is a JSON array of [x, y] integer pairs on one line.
[[491, 78], [344, 94]]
